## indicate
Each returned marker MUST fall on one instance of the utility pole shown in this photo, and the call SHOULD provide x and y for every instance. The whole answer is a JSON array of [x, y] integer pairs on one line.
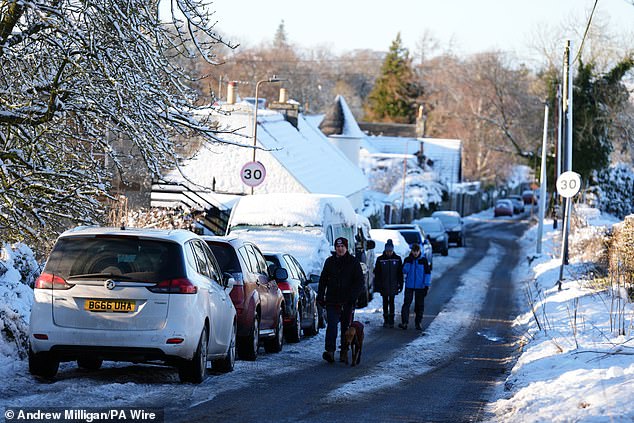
[[557, 156], [569, 185], [542, 183], [567, 147], [404, 177]]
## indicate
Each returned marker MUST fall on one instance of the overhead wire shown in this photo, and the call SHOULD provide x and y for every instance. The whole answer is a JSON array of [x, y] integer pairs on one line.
[[585, 34]]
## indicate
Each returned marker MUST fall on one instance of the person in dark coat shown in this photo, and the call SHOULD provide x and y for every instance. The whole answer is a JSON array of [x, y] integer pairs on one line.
[[340, 283], [417, 282], [388, 280]]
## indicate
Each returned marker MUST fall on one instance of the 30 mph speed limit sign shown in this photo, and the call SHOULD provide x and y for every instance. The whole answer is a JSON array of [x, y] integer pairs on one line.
[[253, 173], [568, 184]]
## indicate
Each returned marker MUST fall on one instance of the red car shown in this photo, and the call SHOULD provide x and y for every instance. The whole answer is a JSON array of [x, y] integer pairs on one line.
[[529, 197], [258, 300], [503, 208]]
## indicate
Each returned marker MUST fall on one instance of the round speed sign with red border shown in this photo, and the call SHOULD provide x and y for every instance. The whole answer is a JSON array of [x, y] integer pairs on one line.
[[253, 173]]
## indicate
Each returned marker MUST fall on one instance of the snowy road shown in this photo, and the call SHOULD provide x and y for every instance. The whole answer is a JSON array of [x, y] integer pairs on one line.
[[399, 367]]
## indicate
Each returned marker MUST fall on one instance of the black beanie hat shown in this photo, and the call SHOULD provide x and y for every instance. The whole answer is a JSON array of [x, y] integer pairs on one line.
[[341, 241]]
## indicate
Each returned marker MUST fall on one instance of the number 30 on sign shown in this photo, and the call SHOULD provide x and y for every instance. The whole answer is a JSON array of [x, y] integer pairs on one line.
[[253, 173], [568, 184]]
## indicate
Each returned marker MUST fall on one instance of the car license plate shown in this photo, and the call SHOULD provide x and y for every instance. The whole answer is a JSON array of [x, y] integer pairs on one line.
[[113, 306]]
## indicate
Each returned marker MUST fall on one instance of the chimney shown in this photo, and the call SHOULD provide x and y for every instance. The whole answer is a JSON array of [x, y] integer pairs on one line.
[[232, 88], [283, 95], [289, 110]]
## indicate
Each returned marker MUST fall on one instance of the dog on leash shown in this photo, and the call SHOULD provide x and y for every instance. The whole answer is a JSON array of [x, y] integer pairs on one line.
[[354, 342]]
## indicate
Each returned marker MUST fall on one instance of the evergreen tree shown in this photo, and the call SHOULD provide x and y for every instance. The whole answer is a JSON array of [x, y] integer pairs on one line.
[[396, 91], [596, 102], [280, 40]]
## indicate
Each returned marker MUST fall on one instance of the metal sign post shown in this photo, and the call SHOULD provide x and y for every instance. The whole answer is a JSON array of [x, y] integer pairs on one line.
[[568, 185]]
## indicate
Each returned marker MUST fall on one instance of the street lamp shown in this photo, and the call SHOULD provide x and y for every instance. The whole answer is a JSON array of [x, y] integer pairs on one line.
[[255, 112], [274, 78]]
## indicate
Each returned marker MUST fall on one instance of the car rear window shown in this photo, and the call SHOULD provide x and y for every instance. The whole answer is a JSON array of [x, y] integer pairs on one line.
[[128, 258], [449, 220], [411, 237], [432, 226], [226, 256]]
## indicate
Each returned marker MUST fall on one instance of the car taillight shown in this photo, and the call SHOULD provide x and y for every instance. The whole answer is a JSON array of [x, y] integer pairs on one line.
[[284, 287], [50, 281], [174, 286]]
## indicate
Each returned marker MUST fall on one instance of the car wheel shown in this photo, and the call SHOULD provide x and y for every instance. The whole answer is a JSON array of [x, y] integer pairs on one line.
[[42, 364], [276, 344], [294, 332], [445, 252], [89, 363], [195, 370], [227, 363], [249, 345], [314, 326]]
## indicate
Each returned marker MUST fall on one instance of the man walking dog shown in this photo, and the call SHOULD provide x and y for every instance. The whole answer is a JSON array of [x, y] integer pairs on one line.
[[388, 280], [417, 282], [340, 283]]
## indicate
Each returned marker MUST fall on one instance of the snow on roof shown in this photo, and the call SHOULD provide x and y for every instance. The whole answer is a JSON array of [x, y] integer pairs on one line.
[[350, 125], [291, 210], [445, 153], [296, 159]]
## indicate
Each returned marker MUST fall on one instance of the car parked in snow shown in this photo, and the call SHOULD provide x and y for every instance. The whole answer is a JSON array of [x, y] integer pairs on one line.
[[518, 203], [436, 233], [134, 295], [454, 225], [258, 300], [529, 197], [503, 207], [300, 300], [414, 234]]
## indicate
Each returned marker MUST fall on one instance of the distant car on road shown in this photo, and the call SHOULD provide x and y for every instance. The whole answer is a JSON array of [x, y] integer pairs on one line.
[[436, 233], [503, 207], [137, 295], [518, 203], [300, 300], [529, 197], [454, 225]]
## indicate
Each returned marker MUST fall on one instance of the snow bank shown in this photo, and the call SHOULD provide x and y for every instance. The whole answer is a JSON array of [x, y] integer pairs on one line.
[[18, 270]]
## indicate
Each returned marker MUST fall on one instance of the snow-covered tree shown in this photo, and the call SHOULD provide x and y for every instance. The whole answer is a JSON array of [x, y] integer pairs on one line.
[[76, 76], [422, 190]]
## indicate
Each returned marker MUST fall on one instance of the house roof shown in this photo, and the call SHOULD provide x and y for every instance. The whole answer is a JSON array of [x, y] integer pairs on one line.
[[445, 153], [339, 121], [296, 159]]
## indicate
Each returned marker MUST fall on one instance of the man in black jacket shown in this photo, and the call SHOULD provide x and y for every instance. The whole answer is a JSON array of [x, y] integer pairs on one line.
[[340, 283], [388, 280]]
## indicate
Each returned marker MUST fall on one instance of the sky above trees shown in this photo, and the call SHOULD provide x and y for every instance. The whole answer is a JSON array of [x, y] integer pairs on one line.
[[467, 26]]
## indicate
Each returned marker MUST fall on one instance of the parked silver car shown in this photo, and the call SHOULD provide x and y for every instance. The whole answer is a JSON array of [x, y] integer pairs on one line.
[[413, 233], [135, 295]]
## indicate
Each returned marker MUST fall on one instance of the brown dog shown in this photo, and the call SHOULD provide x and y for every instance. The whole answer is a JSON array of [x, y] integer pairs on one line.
[[354, 342]]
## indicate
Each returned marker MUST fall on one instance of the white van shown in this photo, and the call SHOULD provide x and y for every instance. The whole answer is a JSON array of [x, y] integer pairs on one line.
[[303, 225], [262, 217]]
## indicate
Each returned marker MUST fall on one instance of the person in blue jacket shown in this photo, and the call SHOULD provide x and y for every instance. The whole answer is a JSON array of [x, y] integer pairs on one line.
[[417, 273]]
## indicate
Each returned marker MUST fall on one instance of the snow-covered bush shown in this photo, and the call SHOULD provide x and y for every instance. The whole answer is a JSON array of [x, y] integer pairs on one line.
[[614, 190], [18, 270]]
